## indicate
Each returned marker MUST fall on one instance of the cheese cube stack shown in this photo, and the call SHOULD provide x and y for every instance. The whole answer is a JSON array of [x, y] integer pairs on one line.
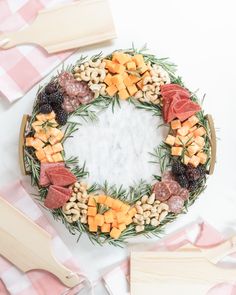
[[47, 139], [117, 216], [120, 81], [187, 141]]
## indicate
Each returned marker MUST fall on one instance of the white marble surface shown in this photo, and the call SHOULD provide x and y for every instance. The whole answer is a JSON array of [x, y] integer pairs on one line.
[[200, 37]]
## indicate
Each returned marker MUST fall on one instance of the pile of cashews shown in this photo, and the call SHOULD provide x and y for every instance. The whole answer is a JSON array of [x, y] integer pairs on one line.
[[149, 212], [76, 209], [150, 92], [94, 73]]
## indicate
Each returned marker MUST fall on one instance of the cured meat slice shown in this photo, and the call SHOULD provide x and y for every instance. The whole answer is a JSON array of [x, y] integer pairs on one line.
[[184, 194], [172, 86], [55, 199], [162, 192], [181, 93], [173, 186], [167, 176], [62, 190], [63, 78], [87, 98], [61, 177], [43, 179], [171, 115], [175, 204]]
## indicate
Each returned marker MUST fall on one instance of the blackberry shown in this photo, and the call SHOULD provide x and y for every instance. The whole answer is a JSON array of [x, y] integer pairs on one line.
[[182, 180], [45, 109], [202, 170], [192, 173], [56, 107], [56, 98], [193, 185], [51, 88], [42, 98], [178, 168], [61, 117]]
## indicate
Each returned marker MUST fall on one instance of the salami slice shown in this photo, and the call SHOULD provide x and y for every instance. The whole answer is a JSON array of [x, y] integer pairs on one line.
[[63, 78], [70, 104], [55, 199], [173, 186], [167, 176], [184, 194], [87, 98], [175, 204], [161, 190]]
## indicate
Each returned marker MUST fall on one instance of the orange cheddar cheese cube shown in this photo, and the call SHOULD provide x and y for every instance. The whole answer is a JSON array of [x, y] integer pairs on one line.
[[92, 201], [40, 155], [106, 227], [121, 86], [176, 151], [123, 94], [99, 219], [90, 219], [134, 78], [124, 208], [46, 117], [57, 157], [132, 212], [110, 65], [128, 219], [199, 132], [115, 233], [185, 159], [111, 90], [49, 158], [193, 120], [183, 131], [131, 66], [121, 57], [143, 69], [48, 149], [92, 211], [175, 124], [114, 223], [120, 217], [109, 202], [29, 141], [116, 204], [138, 59], [57, 148], [117, 79], [108, 80], [37, 125], [194, 161], [102, 199], [128, 81], [119, 69], [202, 156], [170, 140], [193, 149], [42, 135], [93, 227], [108, 216], [200, 141], [132, 89], [122, 226], [140, 84], [37, 144]]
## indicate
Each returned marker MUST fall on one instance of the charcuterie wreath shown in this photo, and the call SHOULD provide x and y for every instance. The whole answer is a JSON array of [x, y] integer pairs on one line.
[[110, 214]]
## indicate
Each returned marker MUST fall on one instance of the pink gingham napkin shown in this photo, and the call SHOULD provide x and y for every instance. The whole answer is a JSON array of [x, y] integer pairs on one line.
[[200, 234], [36, 282], [23, 66]]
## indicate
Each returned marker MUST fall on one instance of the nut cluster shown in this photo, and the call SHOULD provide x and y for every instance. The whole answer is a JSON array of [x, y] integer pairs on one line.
[[149, 212], [150, 92], [76, 209], [94, 73]]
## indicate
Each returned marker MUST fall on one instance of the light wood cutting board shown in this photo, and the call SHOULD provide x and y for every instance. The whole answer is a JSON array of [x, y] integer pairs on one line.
[[28, 246], [69, 26], [184, 272]]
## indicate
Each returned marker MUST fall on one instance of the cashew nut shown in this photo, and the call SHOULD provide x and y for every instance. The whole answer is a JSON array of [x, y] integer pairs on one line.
[[138, 94], [144, 199], [151, 199], [147, 80], [154, 222], [139, 228], [85, 77], [162, 215], [148, 87], [162, 207], [139, 209], [102, 74], [146, 207]]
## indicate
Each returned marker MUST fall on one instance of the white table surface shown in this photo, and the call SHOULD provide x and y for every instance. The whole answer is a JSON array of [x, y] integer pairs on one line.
[[199, 36]]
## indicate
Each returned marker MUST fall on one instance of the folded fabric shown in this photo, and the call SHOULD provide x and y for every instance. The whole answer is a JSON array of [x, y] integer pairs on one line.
[[35, 282], [201, 235], [23, 66]]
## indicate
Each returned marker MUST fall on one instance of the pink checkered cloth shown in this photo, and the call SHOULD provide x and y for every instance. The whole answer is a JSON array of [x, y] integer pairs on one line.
[[23, 66], [36, 282], [200, 234]]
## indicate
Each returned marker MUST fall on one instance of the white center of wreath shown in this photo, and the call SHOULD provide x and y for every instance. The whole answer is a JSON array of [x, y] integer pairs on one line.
[[116, 148]]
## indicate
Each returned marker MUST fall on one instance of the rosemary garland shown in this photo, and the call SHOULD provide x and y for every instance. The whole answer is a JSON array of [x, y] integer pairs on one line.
[[160, 156]]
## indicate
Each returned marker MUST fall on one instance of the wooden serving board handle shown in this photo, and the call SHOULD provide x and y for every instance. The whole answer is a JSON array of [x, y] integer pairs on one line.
[[21, 150], [28, 246], [213, 143], [69, 26]]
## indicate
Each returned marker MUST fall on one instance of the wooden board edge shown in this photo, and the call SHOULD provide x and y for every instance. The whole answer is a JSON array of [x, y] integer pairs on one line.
[[21, 144], [213, 143]]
